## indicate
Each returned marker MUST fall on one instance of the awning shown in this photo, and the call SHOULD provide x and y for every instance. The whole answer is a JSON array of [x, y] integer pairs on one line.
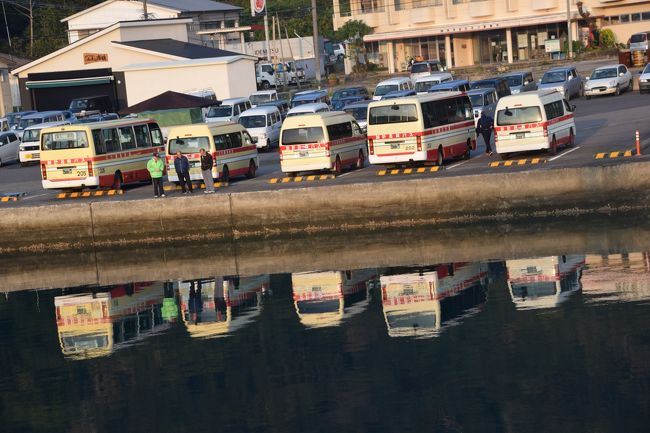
[[46, 84]]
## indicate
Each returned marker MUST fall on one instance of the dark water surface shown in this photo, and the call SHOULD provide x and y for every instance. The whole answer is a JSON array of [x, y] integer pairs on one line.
[[550, 344]]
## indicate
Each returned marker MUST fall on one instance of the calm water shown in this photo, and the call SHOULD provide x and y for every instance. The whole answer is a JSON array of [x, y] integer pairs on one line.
[[551, 344]]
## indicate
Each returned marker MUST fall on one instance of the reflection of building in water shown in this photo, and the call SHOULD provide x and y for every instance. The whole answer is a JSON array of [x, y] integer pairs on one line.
[[96, 324], [326, 298], [420, 302], [616, 278], [218, 306], [544, 282]]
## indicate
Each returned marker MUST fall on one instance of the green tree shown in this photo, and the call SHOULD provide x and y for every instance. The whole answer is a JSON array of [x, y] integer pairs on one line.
[[353, 32], [607, 38]]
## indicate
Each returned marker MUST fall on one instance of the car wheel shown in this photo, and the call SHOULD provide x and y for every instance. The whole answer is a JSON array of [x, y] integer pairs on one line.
[[631, 85], [618, 90], [0, 163], [252, 168]]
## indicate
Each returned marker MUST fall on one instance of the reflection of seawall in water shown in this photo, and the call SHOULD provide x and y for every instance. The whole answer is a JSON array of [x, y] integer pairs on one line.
[[96, 324], [420, 302], [617, 278], [326, 298], [544, 282], [219, 306]]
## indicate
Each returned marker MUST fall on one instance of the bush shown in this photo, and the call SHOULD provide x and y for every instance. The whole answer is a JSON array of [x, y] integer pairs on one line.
[[607, 38]]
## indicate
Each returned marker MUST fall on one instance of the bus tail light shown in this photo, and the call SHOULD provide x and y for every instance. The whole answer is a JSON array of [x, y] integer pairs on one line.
[[44, 171], [371, 147], [418, 140], [280, 152], [90, 169]]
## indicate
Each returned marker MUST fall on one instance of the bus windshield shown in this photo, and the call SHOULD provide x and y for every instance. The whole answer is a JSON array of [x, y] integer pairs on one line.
[[520, 115], [253, 121], [396, 113], [302, 135], [65, 140], [188, 145]]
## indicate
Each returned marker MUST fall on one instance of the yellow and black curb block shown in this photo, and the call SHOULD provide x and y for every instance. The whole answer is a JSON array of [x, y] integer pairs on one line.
[[11, 196], [88, 194], [295, 179], [517, 162], [414, 170], [610, 155], [196, 186]]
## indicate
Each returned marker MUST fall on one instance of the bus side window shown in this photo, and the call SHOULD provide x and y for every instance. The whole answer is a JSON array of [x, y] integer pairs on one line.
[[127, 140], [142, 137], [221, 142], [156, 135], [235, 139], [110, 140], [100, 148]]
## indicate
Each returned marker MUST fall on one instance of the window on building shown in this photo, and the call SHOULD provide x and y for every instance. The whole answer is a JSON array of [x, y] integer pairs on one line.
[[635, 17], [370, 6], [614, 19], [345, 10], [645, 16], [625, 18]]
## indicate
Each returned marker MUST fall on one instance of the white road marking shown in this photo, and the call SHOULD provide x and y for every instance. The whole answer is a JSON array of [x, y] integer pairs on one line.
[[563, 154], [458, 164], [32, 196]]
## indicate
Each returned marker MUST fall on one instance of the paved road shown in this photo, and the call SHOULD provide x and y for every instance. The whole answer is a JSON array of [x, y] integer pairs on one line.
[[603, 124]]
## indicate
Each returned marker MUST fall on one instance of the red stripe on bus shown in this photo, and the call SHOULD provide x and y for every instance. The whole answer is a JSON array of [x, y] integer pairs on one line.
[[534, 125], [320, 145], [426, 132], [112, 156]]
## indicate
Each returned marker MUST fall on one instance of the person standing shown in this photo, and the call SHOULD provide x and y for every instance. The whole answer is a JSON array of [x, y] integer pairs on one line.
[[206, 171], [484, 127], [156, 169], [182, 166]]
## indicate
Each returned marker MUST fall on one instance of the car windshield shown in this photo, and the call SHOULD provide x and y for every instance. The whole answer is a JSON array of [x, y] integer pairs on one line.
[[396, 113], [188, 145], [519, 115], [385, 88], [554, 77], [24, 123], [302, 102], [260, 99], [484, 84], [32, 135], [312, 134], [78, 104], [221, 111], [64, 140], [419, 67], [647, 69], [477, 100], [13, 118], [640, 37], [514, 80], [253, 121], [423, 86], [344, 93], [359, 113], [603, 73]]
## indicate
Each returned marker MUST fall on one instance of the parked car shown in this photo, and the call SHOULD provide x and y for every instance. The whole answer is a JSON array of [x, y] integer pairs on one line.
[[521, 81], [338, 50], [9, 146], [262, 123], [310, 97], [607, 80], [262, 97], [42, 117], [483, 100], [644, 79], [564, 79], [399, 94], [359, 110], [499, 83], [30, 146], [346, 93], [281, 104], [450, 86], [316, 107], [422, 69], [423, 84], [391, 85], [14, 118], [228, 111], [89, 105], [98, 118]]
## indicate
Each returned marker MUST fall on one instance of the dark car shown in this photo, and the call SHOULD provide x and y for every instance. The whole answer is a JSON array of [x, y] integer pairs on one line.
[[89, 105], [499, 83], [450, 86], [359, 110], [399, 94], [342, 102], [282, 105], [98, 118], [359, 92]]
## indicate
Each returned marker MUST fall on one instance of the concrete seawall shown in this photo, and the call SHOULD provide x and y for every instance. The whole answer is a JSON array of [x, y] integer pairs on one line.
[[238, 216]]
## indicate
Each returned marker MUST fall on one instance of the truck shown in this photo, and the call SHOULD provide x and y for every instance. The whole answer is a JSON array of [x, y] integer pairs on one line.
[[269, 75]]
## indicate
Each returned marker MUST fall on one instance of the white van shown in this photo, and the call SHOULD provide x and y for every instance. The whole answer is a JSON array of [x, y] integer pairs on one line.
[[529, 121], [264, 123], [315, 107], [391, 85], [423, 84], [31, 142], [9, 144], [41, 117], [262, 97], [228, 111]]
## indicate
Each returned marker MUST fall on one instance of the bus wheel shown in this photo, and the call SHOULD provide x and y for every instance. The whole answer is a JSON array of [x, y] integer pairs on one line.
[[337, 166], [553, 148], [440, 159], [225, 174], [571, 139], [24, 164], [117, 181], [0, 163], [251, 170], [361, 160], [468, 152], [504, 156]]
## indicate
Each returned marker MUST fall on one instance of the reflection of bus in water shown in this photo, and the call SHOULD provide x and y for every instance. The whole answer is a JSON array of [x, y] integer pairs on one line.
[[616, 278], [420, 302], [216, 307], [96, 324], [326, 298], [544, 282]]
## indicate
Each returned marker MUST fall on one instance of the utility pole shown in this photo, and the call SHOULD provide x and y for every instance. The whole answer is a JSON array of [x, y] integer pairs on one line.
[[146, 11], [314, 23], [6, 25], [266, 36], [568, 26]]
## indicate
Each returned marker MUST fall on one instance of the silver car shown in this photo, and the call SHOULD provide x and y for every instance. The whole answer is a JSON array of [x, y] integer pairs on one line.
[[564, 79], [483, 100], [606, 80]]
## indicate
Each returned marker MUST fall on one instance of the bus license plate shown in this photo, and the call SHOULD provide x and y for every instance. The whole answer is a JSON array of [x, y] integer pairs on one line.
[[304, 153], [394, 145], [520, 135], [67, 171]]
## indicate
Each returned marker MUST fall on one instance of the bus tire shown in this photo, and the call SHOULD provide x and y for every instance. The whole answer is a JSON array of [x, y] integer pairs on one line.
[[553, 149], [468, 152], [572, 139], [504, 156], [440, 159], [0, 162], [337, 166], [225, 174], [361, 160], [251, 170], [24, 164], [117, 181]]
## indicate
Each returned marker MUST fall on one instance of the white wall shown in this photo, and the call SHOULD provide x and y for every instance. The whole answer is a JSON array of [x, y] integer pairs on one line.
[[116, 11]]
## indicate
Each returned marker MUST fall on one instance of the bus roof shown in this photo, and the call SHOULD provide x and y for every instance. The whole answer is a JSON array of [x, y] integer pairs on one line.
[[527, 98], [316, 119], [104, 124], [416, 99]]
